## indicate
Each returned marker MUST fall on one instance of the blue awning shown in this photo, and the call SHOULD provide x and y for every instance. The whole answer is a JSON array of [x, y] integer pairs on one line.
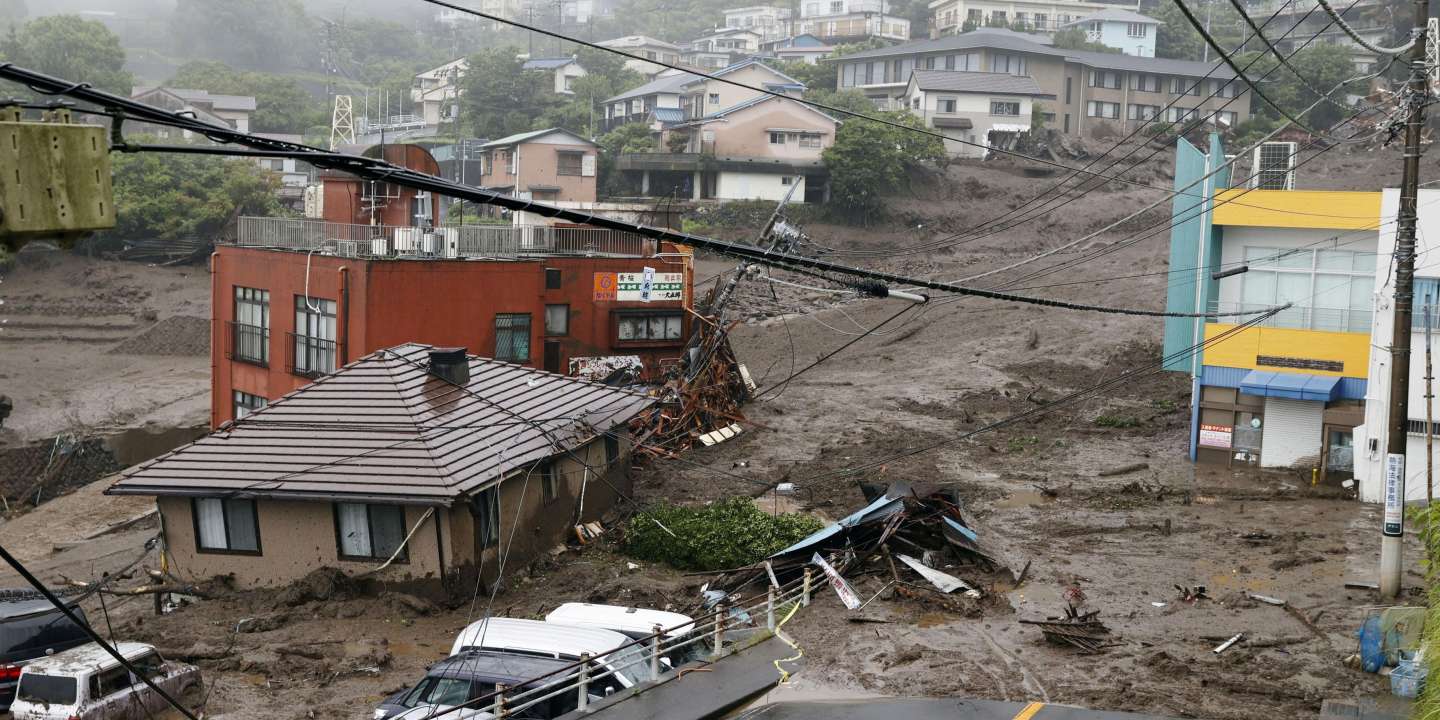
[[1295, 386]]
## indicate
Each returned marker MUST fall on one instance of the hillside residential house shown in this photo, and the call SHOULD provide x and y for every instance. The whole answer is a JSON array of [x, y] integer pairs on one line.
[[434, 92], [544, 165], [1288, 392], [679, 95], [1093, 91], [988, 108], [721, 48], [647, 47], [564, 69], [1125, 30], [294, 175], [754, 150], [951, 16], [411, 468], [232, 110], [805, 48], [770, 21], [1372, 20], [844, 21]]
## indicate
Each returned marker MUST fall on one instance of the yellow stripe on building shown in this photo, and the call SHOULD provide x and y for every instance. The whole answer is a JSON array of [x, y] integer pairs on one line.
[[1325, 209], [1244, 348]]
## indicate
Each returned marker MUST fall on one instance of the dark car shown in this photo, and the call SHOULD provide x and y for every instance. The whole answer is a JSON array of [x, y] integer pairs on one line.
[[468, 676], [29, 629]]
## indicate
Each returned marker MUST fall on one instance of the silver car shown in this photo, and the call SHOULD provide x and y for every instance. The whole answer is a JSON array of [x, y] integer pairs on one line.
[[86, 683]]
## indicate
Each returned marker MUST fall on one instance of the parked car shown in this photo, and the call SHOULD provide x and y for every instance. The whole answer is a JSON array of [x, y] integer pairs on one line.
[[29, 629], [469, 676], [634, 623], [86, 683], [533, 637]]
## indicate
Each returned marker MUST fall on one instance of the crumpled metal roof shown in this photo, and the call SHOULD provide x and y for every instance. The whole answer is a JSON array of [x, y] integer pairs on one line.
[[383, 428]]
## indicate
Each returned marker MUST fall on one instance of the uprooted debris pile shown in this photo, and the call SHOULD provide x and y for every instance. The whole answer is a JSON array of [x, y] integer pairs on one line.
[[1079, 629]]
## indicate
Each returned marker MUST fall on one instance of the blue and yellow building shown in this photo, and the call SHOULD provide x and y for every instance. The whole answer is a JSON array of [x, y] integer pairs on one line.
[[1288, 392]]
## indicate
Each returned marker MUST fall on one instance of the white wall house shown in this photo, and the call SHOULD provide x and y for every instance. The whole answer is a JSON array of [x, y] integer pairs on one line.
[[1126, 31], [976, 107], [836, 21], [646, 47], [949, 16], [564, 71], [1371, 439], [770, 21]]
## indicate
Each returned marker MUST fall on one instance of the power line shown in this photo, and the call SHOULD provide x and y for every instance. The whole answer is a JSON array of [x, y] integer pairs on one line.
[[1362, 42], [1254, 87], [1285, 61]]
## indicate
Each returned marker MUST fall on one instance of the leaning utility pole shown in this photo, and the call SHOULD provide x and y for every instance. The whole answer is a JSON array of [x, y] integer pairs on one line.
[[1393, 530]]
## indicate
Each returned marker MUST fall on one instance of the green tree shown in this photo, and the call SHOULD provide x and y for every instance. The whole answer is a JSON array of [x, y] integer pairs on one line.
[[869, 160], [1322, 67], [851, 99], [270, 35], [606, 76], [70, 47], [1176, 38], [281, 104], [1073, 38], [628, 138], [172, 196], [820, 75], [498, 98]]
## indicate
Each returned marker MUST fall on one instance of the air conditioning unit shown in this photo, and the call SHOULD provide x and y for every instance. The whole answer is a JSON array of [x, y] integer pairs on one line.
[[347, 248], [450, 241], [428, 243], [1272, 166], [380, 246], [407, 241]]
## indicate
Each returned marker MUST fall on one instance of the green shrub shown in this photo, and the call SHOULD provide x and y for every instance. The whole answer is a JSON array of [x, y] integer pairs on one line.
[[727, 534], [1116, 421]]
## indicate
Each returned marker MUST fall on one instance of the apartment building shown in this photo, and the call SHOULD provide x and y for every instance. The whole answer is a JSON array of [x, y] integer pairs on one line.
[[1288, 392], [1094, 92], [843, 21], [545, 165], [974, 107], [1372, 20], [953, 16], [771, 22], [1125, 30], [679, 95], [433, 92], [646, 47], [721, 48]]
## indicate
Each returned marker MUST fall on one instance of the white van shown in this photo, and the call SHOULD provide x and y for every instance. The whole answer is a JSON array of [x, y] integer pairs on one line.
[[634, 623], [86, 683], [543, 639]]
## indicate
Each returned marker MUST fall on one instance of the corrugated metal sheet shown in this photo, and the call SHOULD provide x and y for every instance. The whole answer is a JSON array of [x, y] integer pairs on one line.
[[383, 427], [1218, 376], [1292, 432]]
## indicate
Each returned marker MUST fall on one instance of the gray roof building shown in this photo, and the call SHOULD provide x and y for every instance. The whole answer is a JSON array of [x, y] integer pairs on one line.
[[978, 82], [1115, 14]]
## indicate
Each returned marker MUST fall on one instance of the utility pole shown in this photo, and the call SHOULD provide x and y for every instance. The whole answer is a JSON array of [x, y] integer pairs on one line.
[[1429, 403], [1393, 530]]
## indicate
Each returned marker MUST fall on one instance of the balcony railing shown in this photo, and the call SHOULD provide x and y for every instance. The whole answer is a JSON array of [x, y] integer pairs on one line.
[[1299, 317], [247, 343], [309, 356], [453, 242]]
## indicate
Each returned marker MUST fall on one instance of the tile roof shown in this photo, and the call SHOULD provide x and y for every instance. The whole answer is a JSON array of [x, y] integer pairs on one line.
[[533, 134], [546, 63], [383, 428], [674, 84], [1115, 14], [979, 82], [668, 115], [637, 41]]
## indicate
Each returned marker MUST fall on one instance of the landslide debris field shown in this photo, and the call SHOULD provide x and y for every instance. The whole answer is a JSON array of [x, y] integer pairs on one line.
[[1096, 496]]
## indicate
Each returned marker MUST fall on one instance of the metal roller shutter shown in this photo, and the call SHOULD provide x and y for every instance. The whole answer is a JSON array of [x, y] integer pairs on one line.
[[1291, 433]]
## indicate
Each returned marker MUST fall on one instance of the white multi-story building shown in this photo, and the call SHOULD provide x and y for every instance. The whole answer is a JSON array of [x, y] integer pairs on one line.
[[837, 21], [647, 47], [950, 16], [1126, 31], [771, 22]]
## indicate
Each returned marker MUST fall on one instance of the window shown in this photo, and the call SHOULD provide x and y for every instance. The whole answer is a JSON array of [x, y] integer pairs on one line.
[[245, 403], [837, 7], [557, 319], [1225, 118], [552, 278], [1145, 83], [650, 54], [847, 75], [1331, 289], [1184, 86], [1136, 30], [930, 63], [997, 18], [1067, 93], [612, 448], [548, 489], [109, 682], [787, 180], [314, 336], [1180, 114], [1013, 64], [225, 525], [1144, 113], [945, 105], [1427, 294], [1005, 107], [777, 138], [973, 15], [512, 337], [810, 140], [1098, 109], [568, 163], [370, 532], [1042, 21], [714, 99], [1021, 19], [1226, 88], [649, 327], [47, 689], [485, 507], [250, 339], [1105, 79], [949, 62]]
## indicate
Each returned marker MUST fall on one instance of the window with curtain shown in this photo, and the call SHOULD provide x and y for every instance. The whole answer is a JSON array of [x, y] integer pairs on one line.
[[251, 339], [370, 532], [314, 341], [1330, 288], [225, 525]]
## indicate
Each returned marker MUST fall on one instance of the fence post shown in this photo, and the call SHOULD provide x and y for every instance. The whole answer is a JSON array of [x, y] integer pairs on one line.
[[498, 710], [770, 607], [719, 627], [655, 651], [584, 699], [805, 589]]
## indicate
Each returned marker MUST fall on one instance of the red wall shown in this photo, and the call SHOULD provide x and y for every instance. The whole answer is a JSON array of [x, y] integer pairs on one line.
[[344, 192], [438, 302]]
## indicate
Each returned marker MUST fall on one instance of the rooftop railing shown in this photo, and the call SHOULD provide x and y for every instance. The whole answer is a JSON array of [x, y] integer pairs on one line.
[[445, 242]]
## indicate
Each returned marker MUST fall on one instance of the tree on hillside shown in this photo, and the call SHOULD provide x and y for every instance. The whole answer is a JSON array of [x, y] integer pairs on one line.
[[628, 138], [1073, 38], [281, 104], [268, 35], [869, 160], [70, 47], [498, 98], [1321, 66], [606, 76], [173, 196], [849, 99], [1176, 38]]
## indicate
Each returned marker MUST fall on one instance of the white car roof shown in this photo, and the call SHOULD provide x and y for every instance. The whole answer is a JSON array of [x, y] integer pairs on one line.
[[536, 636], [85, 658], [620, 618]]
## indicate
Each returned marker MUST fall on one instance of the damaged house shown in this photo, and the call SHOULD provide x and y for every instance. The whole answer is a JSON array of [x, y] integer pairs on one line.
[[412, 465]]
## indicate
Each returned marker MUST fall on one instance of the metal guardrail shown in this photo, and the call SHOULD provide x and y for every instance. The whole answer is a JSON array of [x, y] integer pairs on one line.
[[457, 241], [1299, 317]]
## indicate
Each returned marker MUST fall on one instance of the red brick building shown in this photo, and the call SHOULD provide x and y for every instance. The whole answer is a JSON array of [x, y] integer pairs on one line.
[[549, 298], [349, 199]]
